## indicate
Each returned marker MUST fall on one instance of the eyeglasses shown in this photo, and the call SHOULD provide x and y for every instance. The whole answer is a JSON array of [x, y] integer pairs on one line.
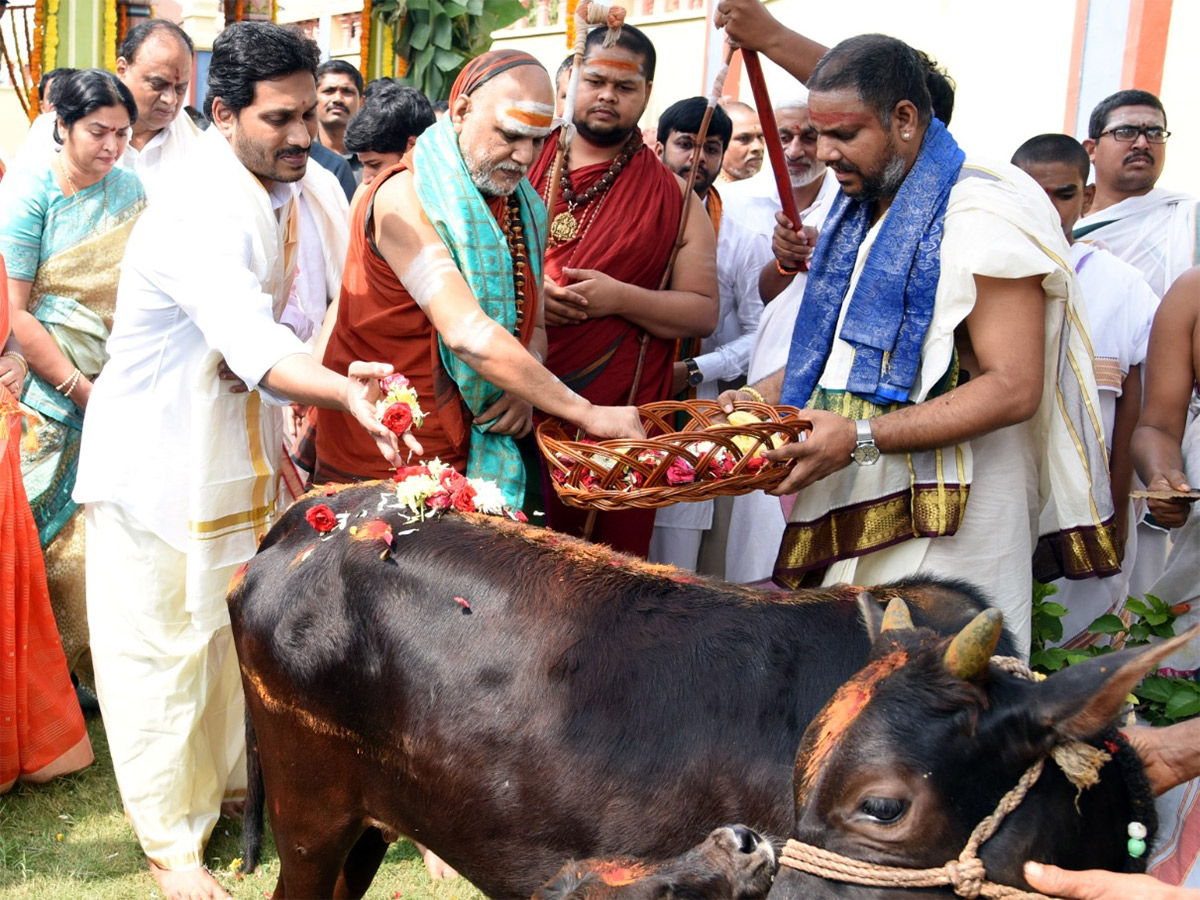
[[1127, 134]]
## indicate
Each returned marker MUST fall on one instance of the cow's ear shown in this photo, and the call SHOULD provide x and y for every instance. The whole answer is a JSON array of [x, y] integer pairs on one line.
[[872, 614], [1082, 700]]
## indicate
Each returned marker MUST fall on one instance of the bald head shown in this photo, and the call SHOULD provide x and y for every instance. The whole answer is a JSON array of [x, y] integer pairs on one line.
[[744, 155], [502, 125]]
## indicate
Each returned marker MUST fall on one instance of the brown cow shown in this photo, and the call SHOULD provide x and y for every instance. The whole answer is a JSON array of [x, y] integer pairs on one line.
[[513, 698]]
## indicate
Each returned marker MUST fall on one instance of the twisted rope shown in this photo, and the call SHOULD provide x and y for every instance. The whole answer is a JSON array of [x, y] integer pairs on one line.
[[967, 875]]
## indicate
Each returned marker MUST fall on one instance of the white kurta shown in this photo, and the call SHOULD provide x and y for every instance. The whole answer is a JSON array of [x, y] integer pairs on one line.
[[757, 521], [724, 355], [1120, 308], [176, 474]]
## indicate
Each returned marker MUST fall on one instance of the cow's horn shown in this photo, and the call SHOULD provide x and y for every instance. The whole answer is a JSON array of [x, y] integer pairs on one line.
[[968, 654], [896, 616]]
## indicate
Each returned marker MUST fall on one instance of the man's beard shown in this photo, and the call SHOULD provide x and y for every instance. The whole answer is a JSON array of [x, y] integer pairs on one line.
[[884, 185], [815, 171], [481, 175], [265, 166], [613, 136]]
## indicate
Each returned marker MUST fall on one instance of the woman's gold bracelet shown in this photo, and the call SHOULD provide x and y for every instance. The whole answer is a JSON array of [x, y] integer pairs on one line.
[[21, 361]]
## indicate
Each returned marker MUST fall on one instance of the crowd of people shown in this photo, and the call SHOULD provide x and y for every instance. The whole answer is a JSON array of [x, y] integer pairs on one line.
[[199, 306]]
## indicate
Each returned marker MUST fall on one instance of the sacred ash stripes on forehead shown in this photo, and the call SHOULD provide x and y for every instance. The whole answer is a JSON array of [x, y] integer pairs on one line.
[[527, 118]]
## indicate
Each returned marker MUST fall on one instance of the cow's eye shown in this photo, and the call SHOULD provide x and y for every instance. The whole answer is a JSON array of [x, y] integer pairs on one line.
[[883, 809]]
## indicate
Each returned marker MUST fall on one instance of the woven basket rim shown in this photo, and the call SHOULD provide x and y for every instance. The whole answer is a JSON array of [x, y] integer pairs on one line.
[[588, 456]]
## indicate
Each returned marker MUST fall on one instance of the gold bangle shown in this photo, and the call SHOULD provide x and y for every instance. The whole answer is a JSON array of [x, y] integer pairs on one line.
[[21, 361], [753, 393]]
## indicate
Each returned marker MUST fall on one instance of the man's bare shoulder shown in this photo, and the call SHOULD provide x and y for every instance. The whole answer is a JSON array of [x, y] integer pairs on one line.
[[398, 192]]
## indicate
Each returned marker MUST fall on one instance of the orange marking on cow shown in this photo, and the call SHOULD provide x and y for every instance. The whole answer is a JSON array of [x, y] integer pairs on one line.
[[618, 875], [302, 556], [532, 119], [236, 581], [842, 711]]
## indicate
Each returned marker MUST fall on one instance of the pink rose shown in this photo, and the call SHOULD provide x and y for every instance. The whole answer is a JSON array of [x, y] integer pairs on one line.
[[680, 471], [395, 381]]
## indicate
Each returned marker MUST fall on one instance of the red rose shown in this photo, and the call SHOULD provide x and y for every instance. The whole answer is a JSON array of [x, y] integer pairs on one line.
[[398, 418], [464, 499], [754, 463], [520, 516], [389, 382], [720, 466], [452, 480], [680, 471], [321, 517], [409, 471], [440, 500]]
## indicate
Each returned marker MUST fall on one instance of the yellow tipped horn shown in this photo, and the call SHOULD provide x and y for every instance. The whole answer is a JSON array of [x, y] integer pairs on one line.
[[896, 616], [968, 654]]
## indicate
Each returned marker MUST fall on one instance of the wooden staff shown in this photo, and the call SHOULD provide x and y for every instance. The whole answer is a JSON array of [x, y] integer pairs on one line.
[[766, 117]]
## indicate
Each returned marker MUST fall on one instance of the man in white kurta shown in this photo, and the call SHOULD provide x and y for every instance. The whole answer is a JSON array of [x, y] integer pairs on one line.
[[988, 434], [178, 467]]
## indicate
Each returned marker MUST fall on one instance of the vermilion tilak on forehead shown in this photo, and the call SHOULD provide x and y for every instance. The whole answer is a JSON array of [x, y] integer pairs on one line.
[[531, 118], [613, 62], [843, 710]]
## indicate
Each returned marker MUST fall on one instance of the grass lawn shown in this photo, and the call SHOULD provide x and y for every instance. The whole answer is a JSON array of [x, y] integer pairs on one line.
[[69, 838]]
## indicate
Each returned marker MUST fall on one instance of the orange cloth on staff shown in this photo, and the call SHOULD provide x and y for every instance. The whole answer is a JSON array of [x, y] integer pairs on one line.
[[41, 726], [378, 320], [626, 234]]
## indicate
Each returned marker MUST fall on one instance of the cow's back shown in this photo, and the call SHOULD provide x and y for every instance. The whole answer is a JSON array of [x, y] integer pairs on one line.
[[512, 697]]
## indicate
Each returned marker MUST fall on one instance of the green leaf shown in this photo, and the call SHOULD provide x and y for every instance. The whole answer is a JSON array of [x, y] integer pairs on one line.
[[1157, 618], [1183, 704], [419, 39], [475, 7], [447, 60], [1050, 660], [1051, 608], [418, 5], [1109, 624], [443, 31], [424, 57], [1137, 607], [453, 10], [1156, 689]]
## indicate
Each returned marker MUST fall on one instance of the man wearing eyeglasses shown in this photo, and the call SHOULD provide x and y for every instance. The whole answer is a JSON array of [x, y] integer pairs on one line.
[[1149, 227]]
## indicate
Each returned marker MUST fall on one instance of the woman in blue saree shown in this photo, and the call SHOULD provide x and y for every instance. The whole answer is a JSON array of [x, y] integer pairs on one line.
[[63, 229]]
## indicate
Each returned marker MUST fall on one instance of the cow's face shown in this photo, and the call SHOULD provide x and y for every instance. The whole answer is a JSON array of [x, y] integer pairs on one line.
[[733, 863], [909, 755]]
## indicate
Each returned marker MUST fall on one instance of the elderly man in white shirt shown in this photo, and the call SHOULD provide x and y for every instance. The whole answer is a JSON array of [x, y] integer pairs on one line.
[[178, 467]]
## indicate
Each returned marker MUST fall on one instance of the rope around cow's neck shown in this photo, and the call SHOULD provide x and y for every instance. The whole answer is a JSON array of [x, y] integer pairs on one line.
[[966, 875]]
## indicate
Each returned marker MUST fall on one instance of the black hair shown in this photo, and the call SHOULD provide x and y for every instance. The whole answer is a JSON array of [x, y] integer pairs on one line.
[[564, 67], [375, 85], [686, 116], [48, 77], [391, 115], [83, 92], [340, 67], [246, 53], [136, 36], [882, 70], [1054, 148], [1098, 120], [631, 39], [941, 87], [441, 106]]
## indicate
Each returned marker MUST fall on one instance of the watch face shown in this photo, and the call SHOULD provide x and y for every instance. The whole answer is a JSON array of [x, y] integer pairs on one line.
[[865, 454], [695, 378]]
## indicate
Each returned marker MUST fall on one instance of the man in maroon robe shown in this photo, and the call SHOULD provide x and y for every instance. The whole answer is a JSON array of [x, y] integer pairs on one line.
[[611, 233]]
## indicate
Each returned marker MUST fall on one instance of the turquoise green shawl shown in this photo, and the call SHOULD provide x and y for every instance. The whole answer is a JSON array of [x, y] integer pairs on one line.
[[461, 217]]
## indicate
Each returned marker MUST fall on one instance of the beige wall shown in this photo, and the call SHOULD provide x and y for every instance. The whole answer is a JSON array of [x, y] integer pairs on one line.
[[13, 123]]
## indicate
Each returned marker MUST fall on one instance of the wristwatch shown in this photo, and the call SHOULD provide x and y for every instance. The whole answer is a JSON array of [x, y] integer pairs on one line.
[[695, 376], [865, 452]]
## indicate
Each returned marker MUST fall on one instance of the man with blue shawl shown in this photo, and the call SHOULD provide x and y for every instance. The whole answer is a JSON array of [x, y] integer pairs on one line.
[[443, 280], [942, 353]]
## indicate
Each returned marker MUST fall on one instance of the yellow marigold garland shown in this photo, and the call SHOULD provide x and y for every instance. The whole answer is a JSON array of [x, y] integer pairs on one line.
[[50, 40], [571, 7], [274, 10], [110, 35], [388, 51], [364, 34]]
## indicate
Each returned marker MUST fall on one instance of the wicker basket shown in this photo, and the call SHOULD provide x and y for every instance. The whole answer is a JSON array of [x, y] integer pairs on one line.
[[614, 463]]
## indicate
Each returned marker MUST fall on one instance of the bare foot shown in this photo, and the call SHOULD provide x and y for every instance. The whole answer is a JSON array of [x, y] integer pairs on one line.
[[233, 809], [434, 864], [188, 884]]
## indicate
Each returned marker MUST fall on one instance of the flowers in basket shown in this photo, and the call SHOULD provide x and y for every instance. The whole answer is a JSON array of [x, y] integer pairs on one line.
[[714, 461], [398, 408]]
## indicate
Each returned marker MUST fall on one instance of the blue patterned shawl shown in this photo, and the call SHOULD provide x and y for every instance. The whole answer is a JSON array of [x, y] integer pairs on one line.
[[461, 217], [892, 304]]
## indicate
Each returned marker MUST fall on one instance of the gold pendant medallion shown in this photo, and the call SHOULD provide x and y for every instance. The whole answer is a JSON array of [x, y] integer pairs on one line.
[[564, 227]]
